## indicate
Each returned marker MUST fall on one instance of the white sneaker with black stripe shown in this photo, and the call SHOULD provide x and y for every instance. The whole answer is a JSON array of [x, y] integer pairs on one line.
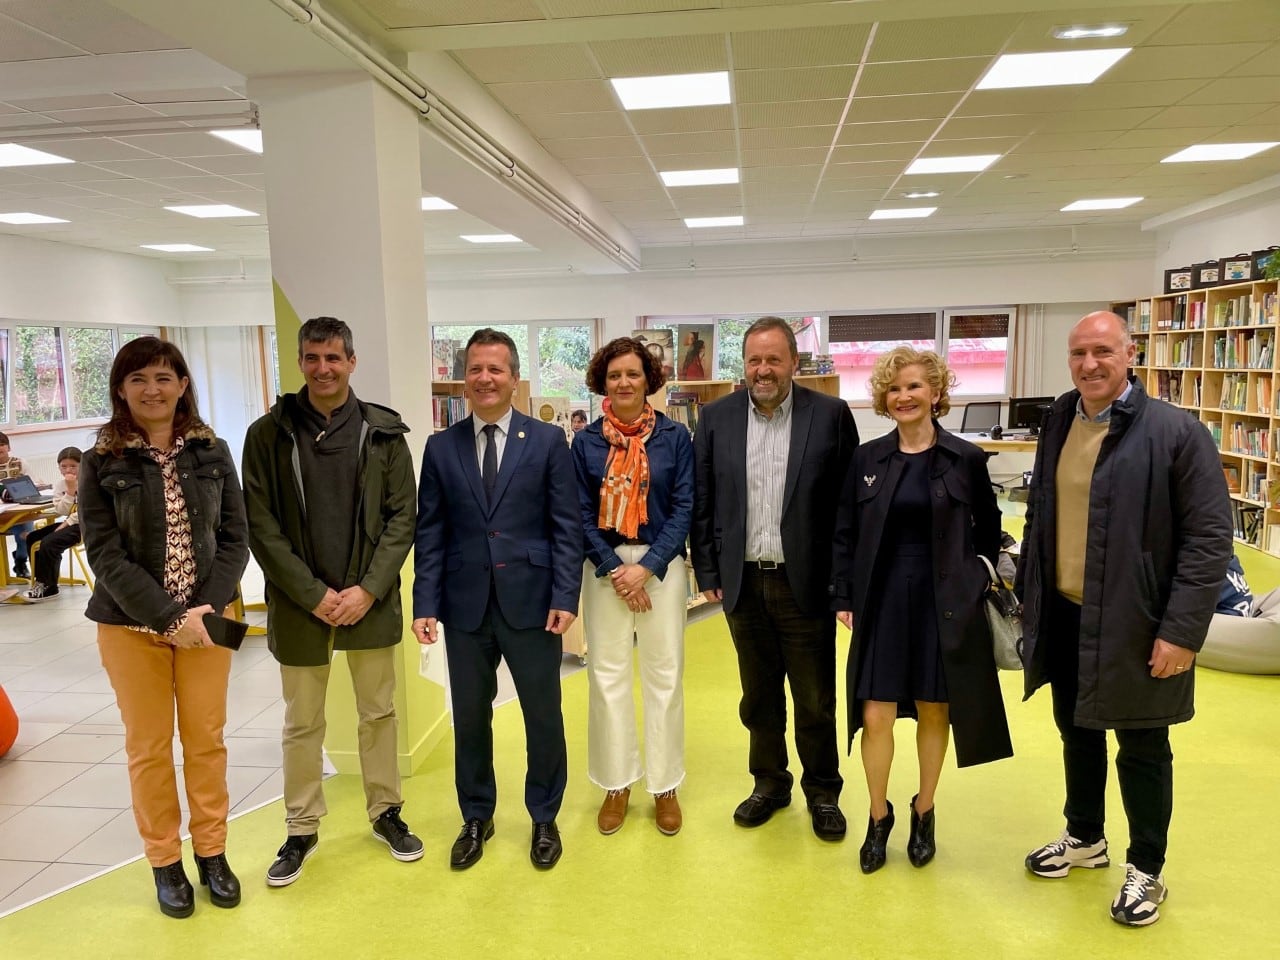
[[1056, 859], [1138, 902]]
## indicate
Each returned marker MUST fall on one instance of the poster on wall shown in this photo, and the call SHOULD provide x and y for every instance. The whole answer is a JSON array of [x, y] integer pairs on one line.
[[694, 352], [553, 410], [660, 343]]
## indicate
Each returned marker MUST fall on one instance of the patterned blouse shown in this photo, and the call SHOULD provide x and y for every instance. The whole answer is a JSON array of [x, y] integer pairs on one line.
[[11, 468], [179, 554]]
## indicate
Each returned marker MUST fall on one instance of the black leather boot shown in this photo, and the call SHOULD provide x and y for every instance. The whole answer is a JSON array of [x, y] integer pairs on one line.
[[920, 846], [875, 848], [173, 890], [215, 873]]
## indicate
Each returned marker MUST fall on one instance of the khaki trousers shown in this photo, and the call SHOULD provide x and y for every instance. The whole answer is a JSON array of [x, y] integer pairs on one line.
[[149, 675], [373, 677]]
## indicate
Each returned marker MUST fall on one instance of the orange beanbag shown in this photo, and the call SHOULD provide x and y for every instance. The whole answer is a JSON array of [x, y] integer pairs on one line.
[[8, 723]]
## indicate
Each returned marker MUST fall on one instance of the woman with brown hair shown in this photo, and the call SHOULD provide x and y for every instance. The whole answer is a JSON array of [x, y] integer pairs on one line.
[[635, 490], [164, 527]]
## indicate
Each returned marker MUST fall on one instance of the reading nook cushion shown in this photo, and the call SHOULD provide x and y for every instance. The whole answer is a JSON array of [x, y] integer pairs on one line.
[[1245, 644]]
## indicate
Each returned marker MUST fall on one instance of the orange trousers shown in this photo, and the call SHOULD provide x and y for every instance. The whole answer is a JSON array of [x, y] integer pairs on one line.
[[150, 675]]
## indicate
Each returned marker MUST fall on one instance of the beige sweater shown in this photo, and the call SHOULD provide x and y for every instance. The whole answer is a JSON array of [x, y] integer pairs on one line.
[[1075, 475]]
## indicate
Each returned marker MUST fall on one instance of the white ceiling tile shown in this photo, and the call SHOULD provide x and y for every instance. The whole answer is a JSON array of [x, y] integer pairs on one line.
[[920, 76], [96, 27], [569, 96], [224, 95], [149, 169], [554, 61], [572, 125], [19, 42], [899, 153], [587, 147], [784, 156], [656, 56], [980, 36], [183, 145], [669, 144], [681, 120], [965, 128], [1181, 63], [918, 106], [1203, 116], [798, 113], [801, 47], [1241, 22], [762, 138], [1238, 90], [799, 83], [603, 165], [81, 102], [435, 13], [229, 166]]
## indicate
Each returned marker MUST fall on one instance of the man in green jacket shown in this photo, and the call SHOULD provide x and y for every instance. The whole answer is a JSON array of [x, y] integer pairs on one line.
[[329, 491]]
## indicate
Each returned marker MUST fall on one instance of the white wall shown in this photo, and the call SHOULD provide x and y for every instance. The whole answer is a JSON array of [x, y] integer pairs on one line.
[[1209, 237]]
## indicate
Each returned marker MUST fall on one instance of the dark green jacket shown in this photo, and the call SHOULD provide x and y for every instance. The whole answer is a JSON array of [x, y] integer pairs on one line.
[[279, 534]]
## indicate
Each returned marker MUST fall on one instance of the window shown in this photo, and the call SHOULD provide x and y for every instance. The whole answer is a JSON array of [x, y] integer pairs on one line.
[[89, 356], [857, 341], [729, 331], [4, 375], [978, 351], [553, 354], [39, 394]]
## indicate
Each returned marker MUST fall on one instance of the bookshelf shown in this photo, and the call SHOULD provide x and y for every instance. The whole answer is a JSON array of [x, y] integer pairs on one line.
[[683, 400], [449, 404], [1212, 352]]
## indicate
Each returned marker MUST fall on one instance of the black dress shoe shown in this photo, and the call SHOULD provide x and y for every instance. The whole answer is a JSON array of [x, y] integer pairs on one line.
[[828, 821], [215, 873], [875, 848], [758, 808], [173, 890], [920, 846], [546, 849], [469, 846]]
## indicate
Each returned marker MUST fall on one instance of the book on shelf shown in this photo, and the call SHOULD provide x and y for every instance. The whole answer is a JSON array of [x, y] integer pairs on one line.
[[683, 407], [1232, 474], [447, 410]]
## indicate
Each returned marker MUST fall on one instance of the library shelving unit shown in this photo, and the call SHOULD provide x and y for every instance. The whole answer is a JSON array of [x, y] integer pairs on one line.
[[449, 405], [828, 383], [1212, 352]]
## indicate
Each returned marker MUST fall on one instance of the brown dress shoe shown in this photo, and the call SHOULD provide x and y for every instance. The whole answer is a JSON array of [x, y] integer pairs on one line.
[[669, 819], [613, 811]]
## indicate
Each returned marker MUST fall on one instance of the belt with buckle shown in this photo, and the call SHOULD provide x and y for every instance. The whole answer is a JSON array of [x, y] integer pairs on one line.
[[765, 564]]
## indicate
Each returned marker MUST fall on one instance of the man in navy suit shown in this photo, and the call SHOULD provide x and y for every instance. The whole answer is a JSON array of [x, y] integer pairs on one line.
[[498, 561], [769, 464]]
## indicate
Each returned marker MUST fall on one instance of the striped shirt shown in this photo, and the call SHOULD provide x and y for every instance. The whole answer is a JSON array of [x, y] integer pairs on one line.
[[768, 444]]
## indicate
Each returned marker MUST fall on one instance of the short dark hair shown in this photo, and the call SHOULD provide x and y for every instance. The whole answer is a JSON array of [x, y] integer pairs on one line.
[[69, 453], [486, 336], [4, 438], [324, 329], [771, 323], [654, 378], [579, 415]]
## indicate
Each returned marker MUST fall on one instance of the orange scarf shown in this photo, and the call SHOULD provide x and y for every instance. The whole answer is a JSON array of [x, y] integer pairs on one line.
[[624, 488]]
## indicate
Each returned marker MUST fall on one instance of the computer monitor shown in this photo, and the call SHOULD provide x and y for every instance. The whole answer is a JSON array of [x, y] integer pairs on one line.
[[1027, 413]]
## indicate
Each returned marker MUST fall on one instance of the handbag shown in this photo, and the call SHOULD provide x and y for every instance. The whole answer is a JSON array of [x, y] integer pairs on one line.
[[1001, 608]]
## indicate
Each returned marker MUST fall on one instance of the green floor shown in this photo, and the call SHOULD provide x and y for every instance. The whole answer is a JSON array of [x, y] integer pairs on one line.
[[717, 890]]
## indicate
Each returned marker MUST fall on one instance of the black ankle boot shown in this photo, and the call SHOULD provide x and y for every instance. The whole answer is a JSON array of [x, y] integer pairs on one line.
[[173, 890], [920, 847], [875, 848], [215, 873]]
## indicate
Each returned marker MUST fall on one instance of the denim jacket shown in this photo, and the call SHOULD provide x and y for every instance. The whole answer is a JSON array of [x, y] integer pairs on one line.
[[122, 517]]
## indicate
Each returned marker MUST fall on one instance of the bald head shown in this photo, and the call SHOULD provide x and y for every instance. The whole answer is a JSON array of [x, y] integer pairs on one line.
[[1099, 354]]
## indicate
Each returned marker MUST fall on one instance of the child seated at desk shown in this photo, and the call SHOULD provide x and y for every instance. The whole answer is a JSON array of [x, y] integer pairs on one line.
[[55, 539], [11, 467]]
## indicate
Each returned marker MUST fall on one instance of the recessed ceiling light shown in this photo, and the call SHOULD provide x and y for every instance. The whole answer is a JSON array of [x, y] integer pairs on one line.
[[696, 222], [491, 238], [1217, 151], [676, 90], [1089, 33], [437, 203], [1111, 203], [245, 138], [953, 164], [695, 178], [921, 195], [1057, 69], [12, 155], [176, 248], [26, 218], [207, 210], [902, 213]]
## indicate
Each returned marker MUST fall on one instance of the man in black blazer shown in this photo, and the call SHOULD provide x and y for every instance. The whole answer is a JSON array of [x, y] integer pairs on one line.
[[770, 462], [498, 561]]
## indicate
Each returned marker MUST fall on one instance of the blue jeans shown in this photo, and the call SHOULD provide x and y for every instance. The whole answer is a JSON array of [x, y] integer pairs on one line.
[[19, 533]]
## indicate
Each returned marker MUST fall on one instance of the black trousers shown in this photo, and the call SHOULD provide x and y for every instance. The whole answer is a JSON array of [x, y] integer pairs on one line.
[[533, 656], [776, 643], [1144, 759], [54, 542]]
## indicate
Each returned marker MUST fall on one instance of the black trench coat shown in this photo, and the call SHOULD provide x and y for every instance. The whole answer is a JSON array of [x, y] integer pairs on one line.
[[966, 522]]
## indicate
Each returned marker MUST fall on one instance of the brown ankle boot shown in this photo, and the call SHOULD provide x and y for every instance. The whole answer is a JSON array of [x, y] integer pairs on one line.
[[613, 811], [668, 812]]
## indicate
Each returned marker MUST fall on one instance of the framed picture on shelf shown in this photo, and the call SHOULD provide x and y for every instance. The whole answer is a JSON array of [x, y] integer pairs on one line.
[[1179, 278], [1237, 269], [1207, 274], [1260, 260]]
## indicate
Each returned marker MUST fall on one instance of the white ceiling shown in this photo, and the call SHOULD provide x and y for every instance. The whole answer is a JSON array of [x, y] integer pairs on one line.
[[831, 102]]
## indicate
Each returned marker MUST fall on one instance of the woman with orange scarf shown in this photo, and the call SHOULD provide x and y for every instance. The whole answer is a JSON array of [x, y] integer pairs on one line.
[[635, 487]]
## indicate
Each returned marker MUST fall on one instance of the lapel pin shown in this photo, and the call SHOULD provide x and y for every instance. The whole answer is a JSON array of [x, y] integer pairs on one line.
[[869, 480], [520, 434]]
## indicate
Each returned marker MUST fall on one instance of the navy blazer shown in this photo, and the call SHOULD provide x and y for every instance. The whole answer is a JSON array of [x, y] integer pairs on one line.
[[528, 543]]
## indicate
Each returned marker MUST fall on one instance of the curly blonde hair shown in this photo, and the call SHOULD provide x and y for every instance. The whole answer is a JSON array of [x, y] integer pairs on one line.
[[936, 373]]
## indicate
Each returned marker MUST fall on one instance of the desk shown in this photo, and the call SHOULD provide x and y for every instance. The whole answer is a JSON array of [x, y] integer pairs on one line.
[[999, 446], [12, 514]]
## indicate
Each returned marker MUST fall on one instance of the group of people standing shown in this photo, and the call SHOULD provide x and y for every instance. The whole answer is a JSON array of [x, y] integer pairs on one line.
[[792, 525]]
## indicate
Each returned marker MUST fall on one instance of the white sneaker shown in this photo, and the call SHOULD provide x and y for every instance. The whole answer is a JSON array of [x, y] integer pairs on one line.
[[1057, 858], [1137, 904]]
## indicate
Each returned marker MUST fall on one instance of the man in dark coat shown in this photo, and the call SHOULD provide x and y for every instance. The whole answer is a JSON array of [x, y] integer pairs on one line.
[[1127, 492]]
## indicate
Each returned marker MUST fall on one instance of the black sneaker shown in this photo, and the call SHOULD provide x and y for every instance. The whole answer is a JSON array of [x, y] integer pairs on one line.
[[20, 567], [40, 592], [290, 858], [395, 833]]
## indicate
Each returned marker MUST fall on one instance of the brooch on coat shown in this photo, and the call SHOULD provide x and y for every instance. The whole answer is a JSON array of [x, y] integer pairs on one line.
[[869, 480]]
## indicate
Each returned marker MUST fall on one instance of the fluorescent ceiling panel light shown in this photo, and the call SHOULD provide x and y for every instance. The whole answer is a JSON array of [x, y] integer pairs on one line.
[[1217, 151], [902, 213], [1111, 203], [491, 238], [921, 195], [698, 178], [953, 164], [244, 138], [12, 155], [697, 222], [437, 203], [207, 210], [1057, 69], [676, 90], [1090, 33], [21, 219], [176, 248]]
